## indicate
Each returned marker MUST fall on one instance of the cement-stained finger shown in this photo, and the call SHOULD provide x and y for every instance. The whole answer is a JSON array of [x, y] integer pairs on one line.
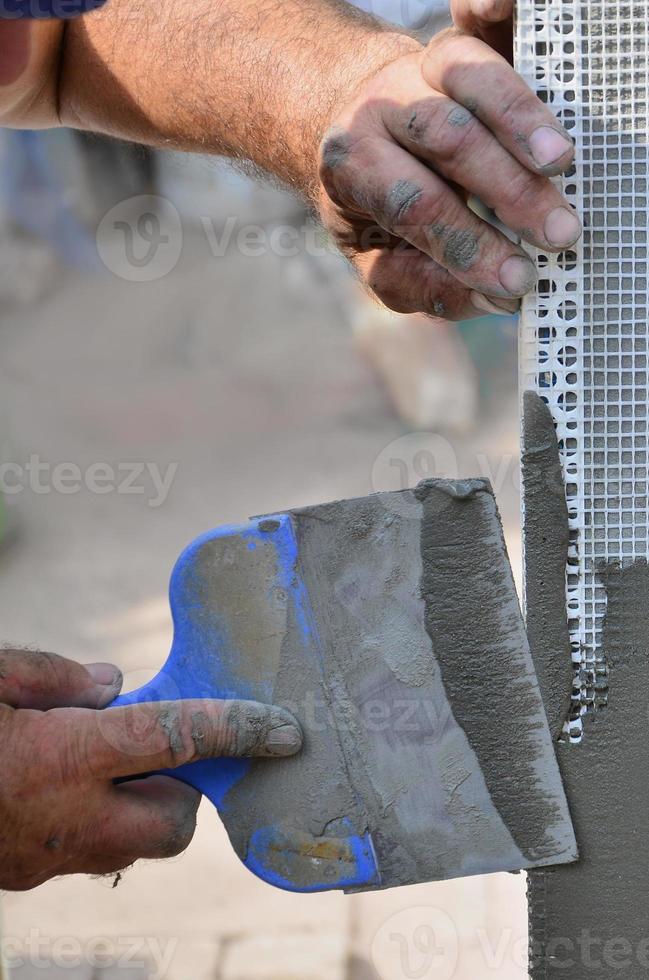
[[459, 147], [40, 680], [379, 180], [139, 738], [408, 281], [478, 78]]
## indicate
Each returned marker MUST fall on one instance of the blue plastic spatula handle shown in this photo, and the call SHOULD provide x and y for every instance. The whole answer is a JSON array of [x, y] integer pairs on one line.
[[206, 661]]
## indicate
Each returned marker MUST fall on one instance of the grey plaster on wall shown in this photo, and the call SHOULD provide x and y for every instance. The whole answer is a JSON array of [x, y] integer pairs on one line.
[[590, 919], [546, 536]]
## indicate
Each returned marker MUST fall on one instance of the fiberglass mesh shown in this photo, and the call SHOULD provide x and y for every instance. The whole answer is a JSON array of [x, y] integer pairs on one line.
[[584, 337]]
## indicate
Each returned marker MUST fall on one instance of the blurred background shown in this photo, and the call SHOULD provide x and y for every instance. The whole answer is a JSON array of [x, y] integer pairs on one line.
[[181, 348]]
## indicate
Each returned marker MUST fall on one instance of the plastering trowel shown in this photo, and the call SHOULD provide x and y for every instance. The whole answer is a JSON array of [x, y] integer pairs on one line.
[[390, 626]]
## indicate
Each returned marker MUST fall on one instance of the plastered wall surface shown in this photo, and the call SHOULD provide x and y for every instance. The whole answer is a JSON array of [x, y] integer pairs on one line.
[[584, 350]]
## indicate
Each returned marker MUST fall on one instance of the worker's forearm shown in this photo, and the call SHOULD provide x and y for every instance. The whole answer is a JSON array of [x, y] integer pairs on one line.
[[253, 79]]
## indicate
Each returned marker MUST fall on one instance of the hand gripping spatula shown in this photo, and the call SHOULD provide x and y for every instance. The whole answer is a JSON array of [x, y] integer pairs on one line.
[[390, 626]]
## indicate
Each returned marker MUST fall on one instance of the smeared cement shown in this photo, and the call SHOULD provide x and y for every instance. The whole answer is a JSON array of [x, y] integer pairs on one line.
[[460, 116], [402, 196], [591, 919], [546, 545], [410, 683], [460, 246], [483, 654]]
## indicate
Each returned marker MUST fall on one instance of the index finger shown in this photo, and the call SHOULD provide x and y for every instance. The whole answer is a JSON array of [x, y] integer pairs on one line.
[[40, 680], [468, 71], [133, 739]]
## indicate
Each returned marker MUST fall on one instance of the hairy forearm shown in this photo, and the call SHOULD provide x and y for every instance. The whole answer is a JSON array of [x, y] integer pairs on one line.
[[256, 80]]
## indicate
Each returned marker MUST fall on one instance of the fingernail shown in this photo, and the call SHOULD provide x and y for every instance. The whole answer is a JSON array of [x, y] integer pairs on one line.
[[518, 275], [284, 740], [562, 227], [489, 306], [261, 729], [548, 145], [108, 675]]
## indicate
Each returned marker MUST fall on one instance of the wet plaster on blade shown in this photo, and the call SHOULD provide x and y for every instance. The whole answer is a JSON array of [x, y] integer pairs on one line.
[[482, 650], [591, 919], [411, 778], [429, 810]]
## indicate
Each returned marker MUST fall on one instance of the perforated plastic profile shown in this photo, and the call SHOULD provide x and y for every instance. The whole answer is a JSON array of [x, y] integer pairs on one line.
[[584, 343]]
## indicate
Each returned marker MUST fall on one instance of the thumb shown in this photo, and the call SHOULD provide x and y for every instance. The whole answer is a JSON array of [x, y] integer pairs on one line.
[[32, 679], [129, 740]]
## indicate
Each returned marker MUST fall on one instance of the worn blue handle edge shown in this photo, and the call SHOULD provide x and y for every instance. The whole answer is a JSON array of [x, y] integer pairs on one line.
[[214, 778]]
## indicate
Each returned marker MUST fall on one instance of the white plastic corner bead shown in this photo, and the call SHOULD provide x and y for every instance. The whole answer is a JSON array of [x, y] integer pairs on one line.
[[584, 340]]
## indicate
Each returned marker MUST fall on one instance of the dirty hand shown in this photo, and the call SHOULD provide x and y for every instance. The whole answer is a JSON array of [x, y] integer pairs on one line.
[[435, 125], [61, 812], [492, 20]]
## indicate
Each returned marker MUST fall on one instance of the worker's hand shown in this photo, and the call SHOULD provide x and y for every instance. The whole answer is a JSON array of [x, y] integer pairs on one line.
[[61, 812], [492, 20], [434, 126]]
